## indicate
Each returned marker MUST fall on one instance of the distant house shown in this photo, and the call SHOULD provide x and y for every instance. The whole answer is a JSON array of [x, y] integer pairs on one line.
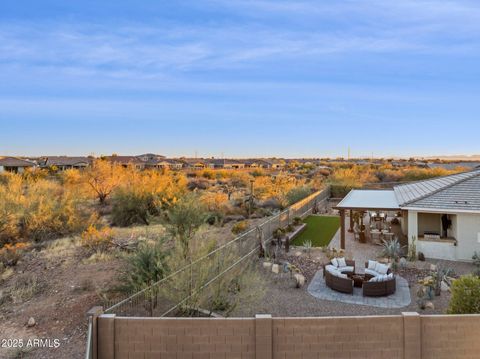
[[65, 162], [271, 164], [146, 157], [15, 164], [254, 163], [126, 161], [226, 163], [164, 163], [196, 164]]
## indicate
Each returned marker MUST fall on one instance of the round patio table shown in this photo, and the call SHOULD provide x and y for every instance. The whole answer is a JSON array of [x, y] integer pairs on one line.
[[358, 280]]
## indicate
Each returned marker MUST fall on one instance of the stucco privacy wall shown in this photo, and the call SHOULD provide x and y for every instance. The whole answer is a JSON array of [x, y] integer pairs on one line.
[[409, 335]]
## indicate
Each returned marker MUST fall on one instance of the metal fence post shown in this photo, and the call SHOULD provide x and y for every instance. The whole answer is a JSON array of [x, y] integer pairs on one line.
[[92, 335]]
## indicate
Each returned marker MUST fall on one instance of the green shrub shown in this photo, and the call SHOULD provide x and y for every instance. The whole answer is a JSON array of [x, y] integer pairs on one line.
[[239, 227], [146, 266], [131, 207], [465, 295], [278, 233], [297, 221]]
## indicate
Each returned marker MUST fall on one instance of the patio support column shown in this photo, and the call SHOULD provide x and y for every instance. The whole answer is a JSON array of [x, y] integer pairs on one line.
[[351, 221], [342, 229]]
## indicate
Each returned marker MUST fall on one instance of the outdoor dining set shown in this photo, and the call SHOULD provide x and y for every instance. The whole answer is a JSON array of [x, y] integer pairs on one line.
[[380, 229]]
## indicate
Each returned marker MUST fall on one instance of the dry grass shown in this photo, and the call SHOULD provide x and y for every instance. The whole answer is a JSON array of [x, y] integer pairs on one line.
[[99, 256], [62, 248], [150, 232], [24, 288], [6, 273]]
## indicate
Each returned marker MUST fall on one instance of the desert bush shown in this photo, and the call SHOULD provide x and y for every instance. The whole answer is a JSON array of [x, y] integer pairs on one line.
[[97, 239], [239, 227], [103, 177], [11, 253], [131, 207], [297, 194], [184, 218], [216, 201], [201, 184], [146, 266], [465, 295], [37, 210]]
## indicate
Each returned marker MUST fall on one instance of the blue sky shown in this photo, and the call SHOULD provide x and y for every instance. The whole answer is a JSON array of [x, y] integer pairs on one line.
[[240, 78]]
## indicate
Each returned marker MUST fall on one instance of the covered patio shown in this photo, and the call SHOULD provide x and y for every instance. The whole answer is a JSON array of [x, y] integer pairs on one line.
[[380, 205]]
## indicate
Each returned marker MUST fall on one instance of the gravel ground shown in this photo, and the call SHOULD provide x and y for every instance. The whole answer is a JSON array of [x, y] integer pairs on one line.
[[283, 299]]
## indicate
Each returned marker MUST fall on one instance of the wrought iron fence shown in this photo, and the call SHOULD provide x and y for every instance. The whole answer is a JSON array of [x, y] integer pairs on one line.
[[199, 278]]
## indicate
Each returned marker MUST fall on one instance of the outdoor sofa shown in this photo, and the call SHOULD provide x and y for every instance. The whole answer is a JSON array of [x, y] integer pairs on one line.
[[379, 280], [341, 283], [338, 274]]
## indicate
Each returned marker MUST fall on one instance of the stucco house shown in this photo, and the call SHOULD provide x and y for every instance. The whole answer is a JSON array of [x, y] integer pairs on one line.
[[441, 215], [14, 164], [63, 163]]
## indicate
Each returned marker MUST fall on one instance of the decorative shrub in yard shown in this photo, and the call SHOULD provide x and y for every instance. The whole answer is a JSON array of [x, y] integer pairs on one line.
[[465, 295]]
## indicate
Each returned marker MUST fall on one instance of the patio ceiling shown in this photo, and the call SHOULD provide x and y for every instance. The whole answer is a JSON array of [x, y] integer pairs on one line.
[[369, 200]]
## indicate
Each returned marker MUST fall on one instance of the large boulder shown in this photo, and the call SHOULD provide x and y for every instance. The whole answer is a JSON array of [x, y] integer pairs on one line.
[[299, 280]]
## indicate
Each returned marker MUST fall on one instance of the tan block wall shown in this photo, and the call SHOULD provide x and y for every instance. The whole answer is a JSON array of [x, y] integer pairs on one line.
[[180, 338], [406, 336], [450, 337], [338, 337]]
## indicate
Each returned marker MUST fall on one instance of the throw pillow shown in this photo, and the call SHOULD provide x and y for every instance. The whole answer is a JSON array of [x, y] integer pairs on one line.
[[334, 262], [381, 268], [341, 262], [372, 264]]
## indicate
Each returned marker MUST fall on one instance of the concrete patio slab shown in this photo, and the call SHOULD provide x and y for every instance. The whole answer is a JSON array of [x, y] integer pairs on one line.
[[401, 298]]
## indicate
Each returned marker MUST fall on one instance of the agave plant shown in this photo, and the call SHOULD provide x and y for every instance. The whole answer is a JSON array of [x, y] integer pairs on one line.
[[392, 249], [307, 245]]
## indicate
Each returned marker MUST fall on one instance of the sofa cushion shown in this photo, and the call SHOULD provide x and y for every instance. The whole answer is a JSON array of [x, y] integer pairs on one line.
[[330, 268], [371, 272], [334, 262], [341, 262], [374, 279], [390, 276], [346, 269], [372, 264], [381, 268]]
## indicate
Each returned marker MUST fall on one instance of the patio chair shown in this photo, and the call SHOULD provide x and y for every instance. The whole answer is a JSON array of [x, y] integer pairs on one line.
[[376, 237], [356, 235]]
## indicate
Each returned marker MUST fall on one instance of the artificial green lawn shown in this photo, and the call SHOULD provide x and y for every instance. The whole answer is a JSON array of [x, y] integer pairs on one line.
[[320, 230]]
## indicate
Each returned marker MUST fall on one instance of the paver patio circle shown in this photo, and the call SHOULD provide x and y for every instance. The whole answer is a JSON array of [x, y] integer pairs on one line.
[[401, 297]]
